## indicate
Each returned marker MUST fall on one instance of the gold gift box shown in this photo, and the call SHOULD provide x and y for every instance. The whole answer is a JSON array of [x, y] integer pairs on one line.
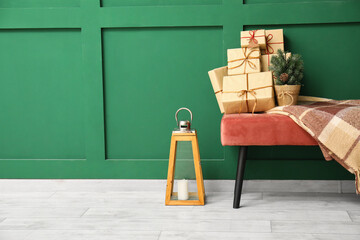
[[216, 77], [243, 60], [274, 41], [253, 38], [248, 93]]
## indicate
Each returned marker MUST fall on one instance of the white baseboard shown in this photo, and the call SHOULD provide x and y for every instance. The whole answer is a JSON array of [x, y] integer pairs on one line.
[[84, 185]]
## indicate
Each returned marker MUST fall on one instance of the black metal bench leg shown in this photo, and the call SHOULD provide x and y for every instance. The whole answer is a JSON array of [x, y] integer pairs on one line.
[[239, 175]]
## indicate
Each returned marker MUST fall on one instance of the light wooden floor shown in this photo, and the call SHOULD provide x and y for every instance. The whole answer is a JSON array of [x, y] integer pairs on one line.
[[134, 209]]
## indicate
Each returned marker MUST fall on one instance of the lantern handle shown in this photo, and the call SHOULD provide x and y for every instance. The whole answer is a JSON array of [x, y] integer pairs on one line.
[[183, 108]]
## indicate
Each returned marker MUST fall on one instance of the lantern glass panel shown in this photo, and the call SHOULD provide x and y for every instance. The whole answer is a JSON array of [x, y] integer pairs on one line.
[[185, 169], [184, 163]]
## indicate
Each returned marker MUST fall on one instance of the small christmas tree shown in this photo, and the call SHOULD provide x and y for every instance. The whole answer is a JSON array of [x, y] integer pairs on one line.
[[289, 70]]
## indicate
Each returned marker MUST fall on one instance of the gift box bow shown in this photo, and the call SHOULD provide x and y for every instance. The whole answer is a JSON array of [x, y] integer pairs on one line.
[[246, 60], [252, 38], [269, 49], [245, 92]]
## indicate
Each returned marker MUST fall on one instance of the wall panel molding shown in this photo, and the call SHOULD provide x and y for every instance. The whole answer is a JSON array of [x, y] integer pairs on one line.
[[39, 3]]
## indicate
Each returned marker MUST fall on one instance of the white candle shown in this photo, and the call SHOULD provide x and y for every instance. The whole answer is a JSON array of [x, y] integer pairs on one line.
[[183, 193]]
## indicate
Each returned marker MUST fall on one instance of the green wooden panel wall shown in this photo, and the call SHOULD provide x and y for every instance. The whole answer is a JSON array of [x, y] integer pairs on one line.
[[157, 81], [41, 94], [89, 88]]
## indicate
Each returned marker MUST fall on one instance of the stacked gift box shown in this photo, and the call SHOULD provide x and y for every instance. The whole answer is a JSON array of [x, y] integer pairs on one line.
[[246, 84]]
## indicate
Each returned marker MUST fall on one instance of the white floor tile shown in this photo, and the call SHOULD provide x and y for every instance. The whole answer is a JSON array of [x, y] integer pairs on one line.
[[41, 212], [124, 224], [92, 235], [315, 227], [340, 205], [196, 213], [25, 194], [291, 186], [251, 236], [355, 215], [14, 235]]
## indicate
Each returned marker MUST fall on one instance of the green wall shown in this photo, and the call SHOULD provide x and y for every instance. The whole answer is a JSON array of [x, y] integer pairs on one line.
[[88, 88]]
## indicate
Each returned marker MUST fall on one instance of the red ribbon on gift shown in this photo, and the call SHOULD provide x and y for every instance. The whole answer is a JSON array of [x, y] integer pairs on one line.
[[269, 49], [252, 37]]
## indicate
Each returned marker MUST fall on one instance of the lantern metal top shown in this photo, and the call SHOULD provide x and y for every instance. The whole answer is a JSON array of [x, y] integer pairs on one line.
[[184, 126]]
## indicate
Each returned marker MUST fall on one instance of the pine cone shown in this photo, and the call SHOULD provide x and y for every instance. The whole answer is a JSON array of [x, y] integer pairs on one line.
[[284, 77]]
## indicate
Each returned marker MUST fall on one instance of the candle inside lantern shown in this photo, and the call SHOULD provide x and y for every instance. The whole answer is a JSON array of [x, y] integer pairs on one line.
[[183, 193]]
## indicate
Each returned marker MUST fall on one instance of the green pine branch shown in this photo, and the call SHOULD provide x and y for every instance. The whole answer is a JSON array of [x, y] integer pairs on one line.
[[293, 66]]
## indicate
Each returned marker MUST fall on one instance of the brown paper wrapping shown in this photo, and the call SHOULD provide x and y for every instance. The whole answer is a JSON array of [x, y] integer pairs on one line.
[[216, 78], [266, 61], [233, 87], [253, 38], [243, 60], [274, 40]]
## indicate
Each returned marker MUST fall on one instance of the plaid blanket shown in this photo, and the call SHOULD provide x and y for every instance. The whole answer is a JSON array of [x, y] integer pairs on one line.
[[336, 127]]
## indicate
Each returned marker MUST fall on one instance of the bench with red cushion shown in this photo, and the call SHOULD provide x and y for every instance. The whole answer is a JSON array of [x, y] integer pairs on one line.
[[259, 130]]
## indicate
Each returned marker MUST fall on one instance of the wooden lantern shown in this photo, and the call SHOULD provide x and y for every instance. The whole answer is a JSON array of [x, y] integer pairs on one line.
[[184, 133]]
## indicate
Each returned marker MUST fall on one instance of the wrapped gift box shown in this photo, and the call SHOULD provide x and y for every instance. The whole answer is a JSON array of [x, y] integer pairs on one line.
[[248, 93], [253, 38], [274, 41], [266, 61], [243, 60], [216, 78]]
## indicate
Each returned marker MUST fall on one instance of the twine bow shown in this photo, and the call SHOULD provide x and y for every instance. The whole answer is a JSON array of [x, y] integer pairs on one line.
[[289, 93], [245, 93], [270, 49], [246, 60]]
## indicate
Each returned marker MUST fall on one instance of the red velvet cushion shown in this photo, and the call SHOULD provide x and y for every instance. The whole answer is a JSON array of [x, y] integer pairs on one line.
[[262, 130]]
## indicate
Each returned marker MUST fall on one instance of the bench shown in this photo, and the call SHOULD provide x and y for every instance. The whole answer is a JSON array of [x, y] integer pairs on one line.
[[263, 129]]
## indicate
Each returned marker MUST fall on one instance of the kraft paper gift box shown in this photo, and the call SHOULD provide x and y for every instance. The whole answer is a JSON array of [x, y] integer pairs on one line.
[[248, 93], [216, 77], [266, 61], [274, 41], [243, 60], [253, 38]]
